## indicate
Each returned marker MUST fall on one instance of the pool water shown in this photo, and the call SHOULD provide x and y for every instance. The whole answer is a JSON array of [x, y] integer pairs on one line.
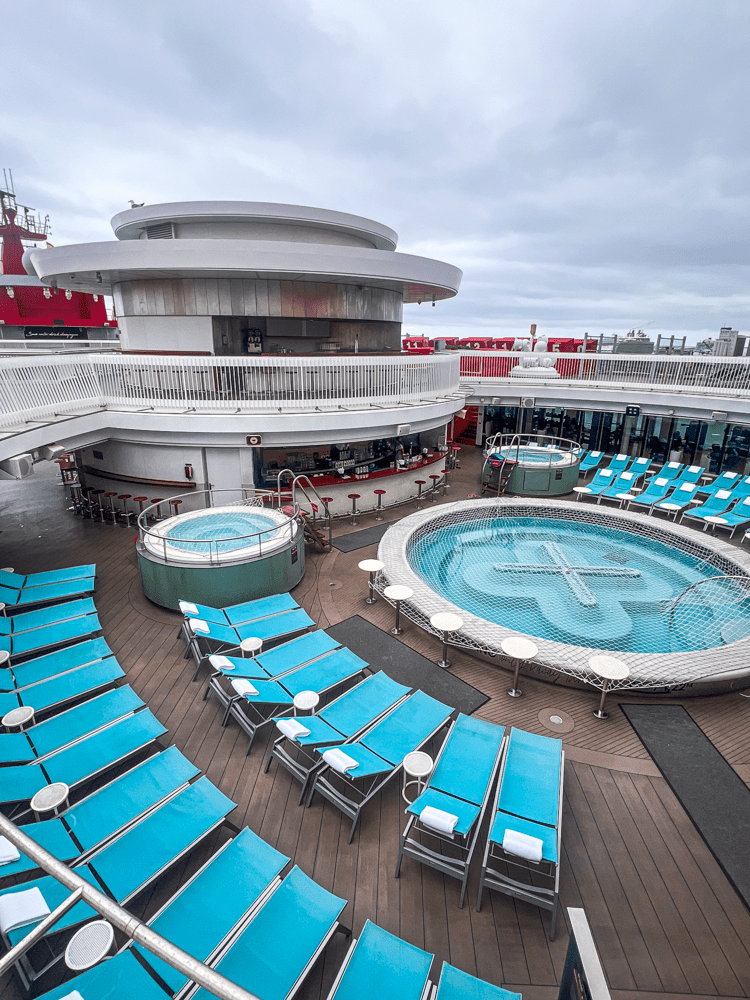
[[582, 584], [199, 534]]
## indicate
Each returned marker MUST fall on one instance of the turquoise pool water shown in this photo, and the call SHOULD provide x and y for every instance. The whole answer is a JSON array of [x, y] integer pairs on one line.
[[200, 534], [582, 584]]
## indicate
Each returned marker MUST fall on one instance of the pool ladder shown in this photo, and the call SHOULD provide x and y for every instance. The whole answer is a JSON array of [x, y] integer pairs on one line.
[[315, 525], [503, 476]]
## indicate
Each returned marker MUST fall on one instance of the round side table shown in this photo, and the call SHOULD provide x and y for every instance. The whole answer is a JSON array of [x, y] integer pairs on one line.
[[418, 767], [609, 668], [4, 658], [305, 701], [90, 945], [519, 650], [397, 594], [446, 623], [50, 799], [670, 508], [251, 646], [19, 718], [371, 566]]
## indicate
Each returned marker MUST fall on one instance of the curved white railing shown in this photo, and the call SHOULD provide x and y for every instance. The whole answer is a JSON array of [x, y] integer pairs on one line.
[[695, 374], [43, 387]]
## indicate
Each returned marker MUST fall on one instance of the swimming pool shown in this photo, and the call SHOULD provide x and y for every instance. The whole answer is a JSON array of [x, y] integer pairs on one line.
[[536, 456], [219, 534], [659, 596]]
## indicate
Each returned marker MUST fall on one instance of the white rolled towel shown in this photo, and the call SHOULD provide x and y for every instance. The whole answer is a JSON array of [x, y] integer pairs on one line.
[[187, 608], [339, 760], [8, 852], [17, 909], [220, 662], [522, 845], [438, 820], [291, 728], [244, 687], [198, 625]]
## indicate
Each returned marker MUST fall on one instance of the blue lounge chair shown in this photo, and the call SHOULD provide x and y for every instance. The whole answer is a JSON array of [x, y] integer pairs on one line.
[[48, 636], [57, 691], [272, 955], [134, 860], [60, 730], [619, 463], [90, 823], [82, 761], [620, 487], [279, 660], [239, 614], [678, 500], [122, 977], [591, 460], [460, 787], [379, 754], [735, 518], [640, 466], [15, 624], [457, 985], [350, 714], [726, 481], [691, 474], [742, 489], [671, 472], [30, 596], [209, 637], [716, 506], [253, 711], [528, 802], [657, 490], [379, 965], [601, 481], [18, 581], [251, 867], [51, 664]]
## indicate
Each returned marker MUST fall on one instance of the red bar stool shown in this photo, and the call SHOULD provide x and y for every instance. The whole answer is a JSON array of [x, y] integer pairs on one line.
[[420, 483], [175, 505], [140, 501], [125, 513], [159, 501], [326, 501], [435, 479], [354, 497], [379, 494], [456, 456], [446, 484], [97, 507], [111, 510]]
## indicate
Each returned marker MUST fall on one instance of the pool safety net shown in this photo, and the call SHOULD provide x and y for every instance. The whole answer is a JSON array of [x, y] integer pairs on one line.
[[674, 608]]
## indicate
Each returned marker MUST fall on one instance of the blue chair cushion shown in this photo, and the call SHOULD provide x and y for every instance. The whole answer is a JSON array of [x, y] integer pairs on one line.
[[383, 965], [52, 664], [531, 777], [406, 727], [53, 837], [362, 704], [298, 651], [457, 985], [468, 759], [238, 614]]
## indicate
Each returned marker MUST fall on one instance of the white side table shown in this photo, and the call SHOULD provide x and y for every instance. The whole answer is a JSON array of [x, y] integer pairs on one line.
[[19, 718], [251, 646], [713, 520], [446, 623], [305, 701], [4, 658], [581, 491], [518, 649], [609, 668], [418, 767], [670, 508], [89, 945], [50, 799], [397, 594], [371, 566]]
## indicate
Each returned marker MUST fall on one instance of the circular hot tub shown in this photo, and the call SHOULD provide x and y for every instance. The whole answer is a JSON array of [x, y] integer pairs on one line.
[[530, 465], [220, 555]]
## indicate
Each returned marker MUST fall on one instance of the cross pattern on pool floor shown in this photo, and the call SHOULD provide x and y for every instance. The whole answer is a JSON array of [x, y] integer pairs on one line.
[[572, 575]]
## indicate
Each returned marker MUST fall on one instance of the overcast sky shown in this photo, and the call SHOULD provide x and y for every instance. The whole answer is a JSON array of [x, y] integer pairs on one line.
[[586, 164]]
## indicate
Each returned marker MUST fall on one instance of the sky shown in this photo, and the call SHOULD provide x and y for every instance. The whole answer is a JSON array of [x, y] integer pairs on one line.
[[587, 164]]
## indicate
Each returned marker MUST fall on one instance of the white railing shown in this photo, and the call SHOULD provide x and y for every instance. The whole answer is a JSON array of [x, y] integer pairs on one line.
[[709, 375], [41, 387], [54, 345]]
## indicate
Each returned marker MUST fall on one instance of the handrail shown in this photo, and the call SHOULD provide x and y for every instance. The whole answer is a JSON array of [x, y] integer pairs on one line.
[[297, 482], [119, 917]]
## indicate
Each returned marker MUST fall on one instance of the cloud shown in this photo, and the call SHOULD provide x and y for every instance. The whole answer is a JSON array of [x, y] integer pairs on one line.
[[587, 165]]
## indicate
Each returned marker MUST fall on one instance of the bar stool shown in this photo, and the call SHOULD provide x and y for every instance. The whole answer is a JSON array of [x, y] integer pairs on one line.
[[85, 500], [446, 484], [140, 501], [379, 494], [97, 507], [446, 623], [159, 501], [326, 501], [518, 649], [420, 483], [175, 505], [397, 594], [126, 514], [354, 497], [371, 566], [76, 498], [456, 456], [609, 668], [435, 478]]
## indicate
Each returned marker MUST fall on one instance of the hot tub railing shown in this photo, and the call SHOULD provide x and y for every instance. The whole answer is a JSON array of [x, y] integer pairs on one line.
[[257, 499], [509, 446]]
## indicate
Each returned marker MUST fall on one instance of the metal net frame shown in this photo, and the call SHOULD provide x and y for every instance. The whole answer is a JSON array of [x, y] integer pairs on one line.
[[694, 606]]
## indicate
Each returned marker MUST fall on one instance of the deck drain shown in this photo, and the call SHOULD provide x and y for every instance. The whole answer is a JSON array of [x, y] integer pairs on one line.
[[556, 720]]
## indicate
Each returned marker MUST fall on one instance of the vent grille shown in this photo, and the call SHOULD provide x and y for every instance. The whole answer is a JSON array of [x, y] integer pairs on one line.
[[162, 231]]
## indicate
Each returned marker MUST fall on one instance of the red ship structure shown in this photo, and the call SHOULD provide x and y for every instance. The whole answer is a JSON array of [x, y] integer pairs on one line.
[[30, 310]]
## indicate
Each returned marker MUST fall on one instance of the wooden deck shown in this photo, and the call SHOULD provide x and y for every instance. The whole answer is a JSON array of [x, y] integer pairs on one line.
[[664, 917]]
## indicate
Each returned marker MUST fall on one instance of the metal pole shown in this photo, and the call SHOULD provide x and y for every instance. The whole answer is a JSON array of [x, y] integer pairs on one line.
[[175, 957], [9, 960]]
